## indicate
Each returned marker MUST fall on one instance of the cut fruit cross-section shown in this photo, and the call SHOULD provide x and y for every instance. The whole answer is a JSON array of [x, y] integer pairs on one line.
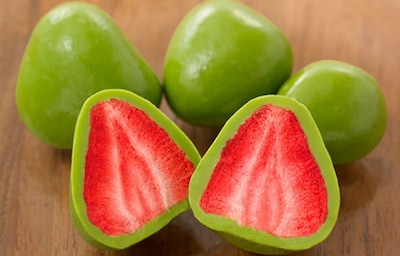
[[270, 179], [267, 183], [131, 169]]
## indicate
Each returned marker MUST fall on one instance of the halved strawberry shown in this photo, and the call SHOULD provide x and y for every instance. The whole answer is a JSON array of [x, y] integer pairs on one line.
[[267, 183], [130, 170]]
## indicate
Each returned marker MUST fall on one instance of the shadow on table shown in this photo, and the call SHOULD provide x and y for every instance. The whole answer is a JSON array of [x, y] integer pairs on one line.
[[358, 183], [182, 236]]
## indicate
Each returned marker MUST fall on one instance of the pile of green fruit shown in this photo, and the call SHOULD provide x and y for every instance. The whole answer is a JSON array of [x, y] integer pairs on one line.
[[267, 183]]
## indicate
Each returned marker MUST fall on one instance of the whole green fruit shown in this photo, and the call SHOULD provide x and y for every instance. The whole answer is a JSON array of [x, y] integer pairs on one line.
[[75, 50], [346, 103], [221, 55]]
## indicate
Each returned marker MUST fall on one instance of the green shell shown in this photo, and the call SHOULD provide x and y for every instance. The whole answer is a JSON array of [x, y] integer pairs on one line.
[[346, 103], [86, 229], [75, 50], [222, 54], [249, 238]]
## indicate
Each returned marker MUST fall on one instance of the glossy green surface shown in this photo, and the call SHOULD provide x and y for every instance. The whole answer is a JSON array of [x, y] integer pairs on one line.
[[81, 221], [75, 50], [346, 103], [221, 55], [246, 237]]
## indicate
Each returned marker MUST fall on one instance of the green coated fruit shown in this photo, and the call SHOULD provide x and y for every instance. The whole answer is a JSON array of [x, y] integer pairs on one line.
[[267, 183], [74, 51], [130, 170], [346, 103], [221, 55]]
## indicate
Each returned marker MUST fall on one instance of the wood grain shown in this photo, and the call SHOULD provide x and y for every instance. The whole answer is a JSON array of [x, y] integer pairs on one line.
[[34, 178]]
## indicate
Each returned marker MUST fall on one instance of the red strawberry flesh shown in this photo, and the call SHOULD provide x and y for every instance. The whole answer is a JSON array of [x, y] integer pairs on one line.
[[134, 171], [267, 177]]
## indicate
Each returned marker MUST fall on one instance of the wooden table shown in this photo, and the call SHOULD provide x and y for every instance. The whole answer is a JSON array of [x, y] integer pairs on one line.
[[34, 178]]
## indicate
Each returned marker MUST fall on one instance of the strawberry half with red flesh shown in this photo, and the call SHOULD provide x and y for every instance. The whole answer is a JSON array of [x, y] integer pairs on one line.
[[268, 179], [135, 176]]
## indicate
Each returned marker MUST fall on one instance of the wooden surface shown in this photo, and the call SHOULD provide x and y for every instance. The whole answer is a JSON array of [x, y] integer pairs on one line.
[[34, 178]]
